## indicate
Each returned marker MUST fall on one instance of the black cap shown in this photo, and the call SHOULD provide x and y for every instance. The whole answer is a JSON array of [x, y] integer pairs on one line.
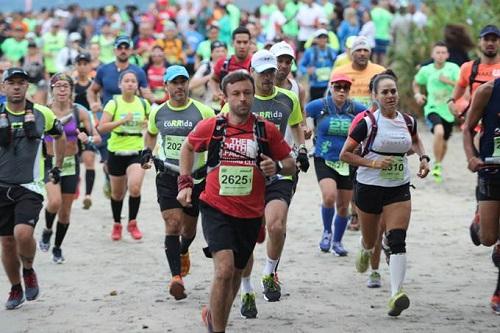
[[489, 29], [83, 57], [32, 44], [217, 43], [14, 72]]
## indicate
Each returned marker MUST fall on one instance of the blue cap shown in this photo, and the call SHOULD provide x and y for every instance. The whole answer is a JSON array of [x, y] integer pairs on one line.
[[123, 39], [489, 29], [175, 71]]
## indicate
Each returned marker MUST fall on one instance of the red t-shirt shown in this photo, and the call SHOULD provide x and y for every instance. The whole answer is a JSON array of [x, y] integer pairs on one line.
[[239, 152], [155, 77], [234, 64], [485, 73]]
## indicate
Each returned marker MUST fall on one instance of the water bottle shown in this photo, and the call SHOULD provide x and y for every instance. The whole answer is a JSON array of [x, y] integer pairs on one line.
[[4, 130], [29, 125]]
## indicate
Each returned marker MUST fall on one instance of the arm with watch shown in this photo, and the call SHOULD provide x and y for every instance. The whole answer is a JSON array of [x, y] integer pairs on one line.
[[418, 148], [302, 156]]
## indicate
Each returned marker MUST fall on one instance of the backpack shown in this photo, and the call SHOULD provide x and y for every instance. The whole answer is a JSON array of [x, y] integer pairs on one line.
[[219, 134], [473, 74], [374, 128], [316, 54]]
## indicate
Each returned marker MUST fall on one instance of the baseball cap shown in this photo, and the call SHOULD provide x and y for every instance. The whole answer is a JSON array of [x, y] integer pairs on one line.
[[83, 57], [282, 48], [32, 44], [340, 78], [321, 32], [216, 44], [263, 60], [489, 29], [174, 71], [323, 20], [14, 72], [123, 39], [74, 36], [169, 25], [360, 43]]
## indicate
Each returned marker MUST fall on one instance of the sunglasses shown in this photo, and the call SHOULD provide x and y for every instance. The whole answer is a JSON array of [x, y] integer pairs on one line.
[[123, 47], [387, 91], [338, 87]]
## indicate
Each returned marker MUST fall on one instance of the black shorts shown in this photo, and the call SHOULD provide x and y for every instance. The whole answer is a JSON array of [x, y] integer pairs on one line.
[[488, 190], [166, 190], [18, 205], [280, 190], [316, 92], [371, 199], [118, 164], [324, 171], [69, 184], [434, 119], [224, 232]]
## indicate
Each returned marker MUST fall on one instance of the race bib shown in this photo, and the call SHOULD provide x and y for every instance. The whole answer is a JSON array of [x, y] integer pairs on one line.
[[69, 166], [496, 151], [235, 180], [341, 167], [395, 171], [172, 146], [323, 73]]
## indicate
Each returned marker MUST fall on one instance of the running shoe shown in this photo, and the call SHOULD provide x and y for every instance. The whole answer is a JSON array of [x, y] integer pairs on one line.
[[87, 202], [386, 248], [44, 242], [248, 308], [398, 303], [185, 264], [262, 234], [31, 286], [474, 229], [57, 256], [374, 280], [271, 288], [338, 249], [116, 234], [16, 299], [206, 317], [436, 173], [326, 241], [176, 288], [362, 259], [495, 304], [134, 230], [106, 189]]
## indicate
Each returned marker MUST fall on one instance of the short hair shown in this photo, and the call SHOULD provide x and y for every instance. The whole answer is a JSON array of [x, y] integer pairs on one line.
[[236, 76], [387, 74], [439, 43], [128, 71], [241, 30]]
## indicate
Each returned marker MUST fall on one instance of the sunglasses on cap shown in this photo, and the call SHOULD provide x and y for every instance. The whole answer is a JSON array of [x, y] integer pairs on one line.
[[338, 87]]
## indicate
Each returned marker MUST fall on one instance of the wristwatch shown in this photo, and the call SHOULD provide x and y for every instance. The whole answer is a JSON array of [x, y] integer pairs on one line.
[[425, 157]]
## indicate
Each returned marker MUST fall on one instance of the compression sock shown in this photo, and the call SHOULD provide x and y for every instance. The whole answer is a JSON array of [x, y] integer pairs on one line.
[[327, 216], [172, 250], [339, 227], [49, 219], [116, 208], [89, 181], [270, 266], [246, 285], [185, 243], [397, 268], [133, 207], [60, 233]]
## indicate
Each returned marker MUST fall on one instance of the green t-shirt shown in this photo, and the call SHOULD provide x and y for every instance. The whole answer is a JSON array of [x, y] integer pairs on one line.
[[234, 15], [127, 137], [203, 50], [14, 50], [438, 93], [107, 47], [333, 41], [382, 20], [328, 9], [225, 30], [292, 27], [265, 14], [52, 44]]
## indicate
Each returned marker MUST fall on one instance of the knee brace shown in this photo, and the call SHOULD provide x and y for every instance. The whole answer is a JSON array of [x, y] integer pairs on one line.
[[396, 239]]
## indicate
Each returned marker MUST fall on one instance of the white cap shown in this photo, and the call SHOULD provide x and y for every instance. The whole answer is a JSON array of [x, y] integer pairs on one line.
[[320, 32], [74, 36], [323, 20], [360, 43], [282, 48], [263, 60]]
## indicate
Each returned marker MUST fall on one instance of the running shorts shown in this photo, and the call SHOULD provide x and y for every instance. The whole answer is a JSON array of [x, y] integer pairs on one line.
[[488, 190], [280, 190], [381, 46], [166, 190], [118, 164], [18, 205], [371, 199], [324, 171], [69, 183], [434, 119], [224, 232]]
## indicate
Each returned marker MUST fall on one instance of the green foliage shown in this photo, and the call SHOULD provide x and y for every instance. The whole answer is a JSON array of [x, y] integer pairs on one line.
[[415, 48]]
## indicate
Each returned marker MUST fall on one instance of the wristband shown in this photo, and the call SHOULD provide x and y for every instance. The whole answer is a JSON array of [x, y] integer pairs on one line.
[[90, 139], [425, 157], [373, 164], [450, 100], [184, 181]]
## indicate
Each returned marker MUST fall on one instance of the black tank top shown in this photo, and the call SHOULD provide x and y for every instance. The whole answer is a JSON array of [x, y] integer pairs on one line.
[[81, 94]]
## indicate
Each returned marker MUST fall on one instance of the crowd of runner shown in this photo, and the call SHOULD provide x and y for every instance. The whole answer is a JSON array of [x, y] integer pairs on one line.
[[220, 103]]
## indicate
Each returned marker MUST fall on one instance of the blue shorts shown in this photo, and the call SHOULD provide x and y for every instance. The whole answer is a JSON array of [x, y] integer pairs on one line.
[[381, 46]]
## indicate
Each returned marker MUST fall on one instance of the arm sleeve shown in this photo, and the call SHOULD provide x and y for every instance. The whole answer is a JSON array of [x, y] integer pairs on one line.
[[277, 144], [152, 121], [201, 135], [360, 132]]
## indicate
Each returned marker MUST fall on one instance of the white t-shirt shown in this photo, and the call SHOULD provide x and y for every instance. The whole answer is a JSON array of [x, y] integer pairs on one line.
[[308, 17], [392, 139], [277, 19]]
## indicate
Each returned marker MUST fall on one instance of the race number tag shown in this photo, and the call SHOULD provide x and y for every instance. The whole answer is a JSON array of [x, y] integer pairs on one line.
[[323, 73], [172, 146], [69, 166], [341, 167], [395, 171], [235, 180], [496, 151]]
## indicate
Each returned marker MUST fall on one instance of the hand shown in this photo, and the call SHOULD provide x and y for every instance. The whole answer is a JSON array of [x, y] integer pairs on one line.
[[383, 163], [146, 157], [307, 132], [423, 169], [453, 108], [55, 175], [184, 197], [95, 107], [310, 70], [267, 165], [128, 117], [82, 136], [420, 99], [475, 163], [444, 79], [302, 160]]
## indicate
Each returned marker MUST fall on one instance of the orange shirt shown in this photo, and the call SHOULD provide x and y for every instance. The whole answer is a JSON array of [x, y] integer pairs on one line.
[[173, 50], [485, 73], [360, 80]]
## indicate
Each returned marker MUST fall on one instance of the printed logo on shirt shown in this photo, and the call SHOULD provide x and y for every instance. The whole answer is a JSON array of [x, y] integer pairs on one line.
[[242, 151], [177, 123], [339, 127]]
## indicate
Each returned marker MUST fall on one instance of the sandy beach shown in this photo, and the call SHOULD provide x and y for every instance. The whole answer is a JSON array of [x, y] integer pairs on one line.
[[107, 286]]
